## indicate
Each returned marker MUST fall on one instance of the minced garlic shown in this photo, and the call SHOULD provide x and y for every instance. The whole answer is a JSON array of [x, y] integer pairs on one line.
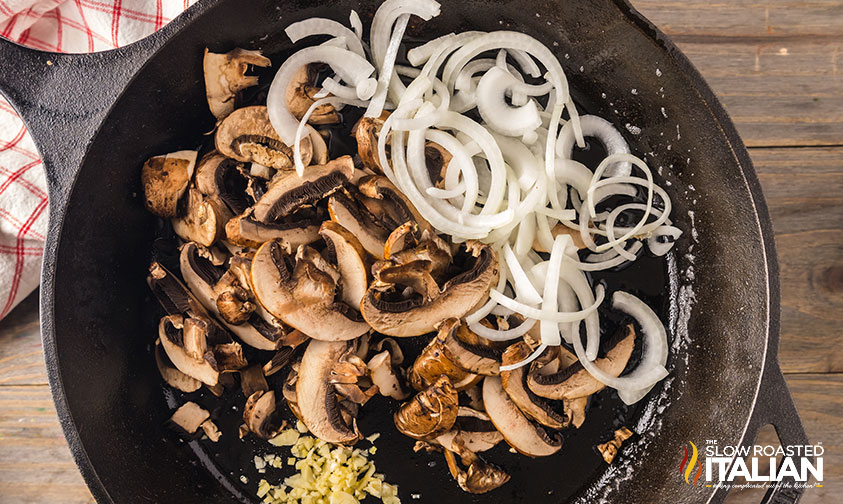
[[327, 474]]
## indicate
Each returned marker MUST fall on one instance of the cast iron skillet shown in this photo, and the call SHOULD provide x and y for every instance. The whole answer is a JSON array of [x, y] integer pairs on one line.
[[97, 117]]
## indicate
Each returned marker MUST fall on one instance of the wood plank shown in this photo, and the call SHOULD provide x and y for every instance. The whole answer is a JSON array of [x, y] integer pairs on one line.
[[21, 353], [35, 462], [746, 18], [804, 192]]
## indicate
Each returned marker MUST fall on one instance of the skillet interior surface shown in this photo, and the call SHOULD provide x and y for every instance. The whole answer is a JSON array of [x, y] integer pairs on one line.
[[717, 312]]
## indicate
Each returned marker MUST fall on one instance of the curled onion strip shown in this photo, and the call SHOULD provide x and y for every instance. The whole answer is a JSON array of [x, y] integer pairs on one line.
[[603, 130], [499, 335], [533, 356], [322, 26], [536, 313]]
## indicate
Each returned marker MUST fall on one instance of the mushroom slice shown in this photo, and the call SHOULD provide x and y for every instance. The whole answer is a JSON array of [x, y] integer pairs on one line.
[[252, 380], [609, 450], [171, 293], [574, 381], [203, 221], [433, 362], [480, 477], [204, 368], [258, 414], [416, 315], [474, 358], [300, 97], [234, 300], [357, 219], [366, 132], [395, 353], [515, 384], [350, 258], [473, 430], [316, 399], [219, 179], [171, 375], [296, 229], [414, 274], [522, 434], [430, 413], [386, 376], [165, 180], [202, 277], [399, 239], [247, 135], [288, 191], [432, 249], [225, 77], [575, 410], [302, 295], [436, 158], [190, 417], [379, 187]]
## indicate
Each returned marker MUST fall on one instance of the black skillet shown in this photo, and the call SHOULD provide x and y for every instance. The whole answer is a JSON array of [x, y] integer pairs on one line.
[[96, 118]]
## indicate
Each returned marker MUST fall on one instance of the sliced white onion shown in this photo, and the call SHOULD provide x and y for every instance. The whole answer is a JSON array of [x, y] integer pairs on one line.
[[385, 69], [533, 356], [356, 24], [524, 289], [496, 112], [351, 68], [550, 330], [499, 335], [302, 126], [536, 313], [603, 130], [322, 26]]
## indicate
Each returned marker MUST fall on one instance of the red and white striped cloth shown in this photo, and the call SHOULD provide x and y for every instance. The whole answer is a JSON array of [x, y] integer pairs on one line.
[[60, 26]]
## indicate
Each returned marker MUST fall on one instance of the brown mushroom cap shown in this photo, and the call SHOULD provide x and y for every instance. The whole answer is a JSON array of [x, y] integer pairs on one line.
[[479, 359], [247, 135], [225, 76], [357, 219], [288, 191], [165, 180], [316, 398], [302, 295], [430, 413], [522, 434], [203, 221], [574, 381], [253, 380], [300, 96], [366, 132], [379, 187], [515, 384], [416, 315]]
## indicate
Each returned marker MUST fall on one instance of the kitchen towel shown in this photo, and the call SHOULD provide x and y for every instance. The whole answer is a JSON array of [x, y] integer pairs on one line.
[[60, 26]]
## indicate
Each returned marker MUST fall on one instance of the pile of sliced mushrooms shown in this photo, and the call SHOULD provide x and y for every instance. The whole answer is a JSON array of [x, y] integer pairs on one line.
[[323, 265]]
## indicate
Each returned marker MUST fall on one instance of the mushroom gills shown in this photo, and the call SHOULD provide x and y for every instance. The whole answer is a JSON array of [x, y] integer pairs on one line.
[[519, 431], [514, 382], [247, 135]]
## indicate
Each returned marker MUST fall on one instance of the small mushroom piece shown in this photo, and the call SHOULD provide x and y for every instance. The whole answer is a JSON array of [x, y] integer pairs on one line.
[[350, 259], [473, 431], [203, 221], [302, 295], [436, 158], [170, 331], [281, 358], [234, 301], [247, 135], [610, 449], [416, 315], [245, 231], [430, 413], [522, 434], [288, 191], [174, 297], [316, 399], [574, 381], [360, 222], [202, 278], [559, 229], [395, 353], [575, 410], [399, 239], [164, 179], [300, 97], [219, 179], [225, 77], [432, 249], [171, 375], [190, 417], [414, 274], [379, 187], [480, 477], [366, 132], [386, 377], [258, 413], [252, 380], [515, 384]]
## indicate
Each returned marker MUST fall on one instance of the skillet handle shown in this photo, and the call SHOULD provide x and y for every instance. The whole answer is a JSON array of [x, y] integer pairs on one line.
[[63, 98], [775, 406]]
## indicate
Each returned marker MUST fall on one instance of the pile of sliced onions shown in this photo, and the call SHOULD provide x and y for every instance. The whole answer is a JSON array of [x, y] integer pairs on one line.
[[511, 180]]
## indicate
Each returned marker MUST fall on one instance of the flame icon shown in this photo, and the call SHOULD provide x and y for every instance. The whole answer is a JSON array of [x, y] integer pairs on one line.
[[686, 467]]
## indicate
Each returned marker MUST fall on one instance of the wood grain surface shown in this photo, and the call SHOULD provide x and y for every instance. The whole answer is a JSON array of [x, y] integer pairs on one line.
[[776, 65]]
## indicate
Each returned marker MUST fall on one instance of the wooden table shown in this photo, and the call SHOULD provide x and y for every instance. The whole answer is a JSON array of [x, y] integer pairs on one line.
[[778, 68]]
